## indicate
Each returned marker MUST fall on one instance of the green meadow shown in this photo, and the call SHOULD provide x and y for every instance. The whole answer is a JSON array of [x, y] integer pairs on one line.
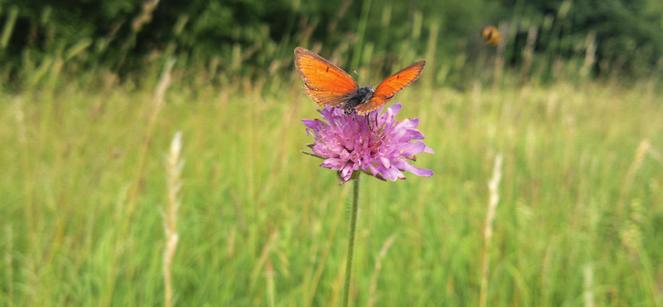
[[85, 190], [153, 154]]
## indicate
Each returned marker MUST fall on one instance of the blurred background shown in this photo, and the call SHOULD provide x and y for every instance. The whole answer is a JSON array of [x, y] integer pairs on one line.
[[253, 38], [153, 154]]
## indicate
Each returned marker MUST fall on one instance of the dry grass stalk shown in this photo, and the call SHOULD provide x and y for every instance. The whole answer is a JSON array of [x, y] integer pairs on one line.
[[8, 29], [590, 54], [643, 149], [22, 137], [264, 257], [431, 50], [499, 58], [588, 282], [145, 15], [271, 292], [640, 154], [157, 103], [631, 233], [528, 51], [373, 287], [9, 262], [20, 121], [342, 11], [493, 186], [173, 178], [164, 83]]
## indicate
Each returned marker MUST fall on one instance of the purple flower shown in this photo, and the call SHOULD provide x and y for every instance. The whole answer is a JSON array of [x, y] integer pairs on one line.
[[377, 143]]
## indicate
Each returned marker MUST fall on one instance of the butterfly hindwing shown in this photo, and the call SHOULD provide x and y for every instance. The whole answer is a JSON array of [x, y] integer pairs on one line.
[[326, 83], [390, 86]]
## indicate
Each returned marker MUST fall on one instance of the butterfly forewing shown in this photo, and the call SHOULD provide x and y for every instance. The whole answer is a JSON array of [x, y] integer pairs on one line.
[[326, 83], [390, 86]]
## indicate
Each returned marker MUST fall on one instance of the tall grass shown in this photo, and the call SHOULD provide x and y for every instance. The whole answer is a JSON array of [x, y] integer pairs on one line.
[[385, 39], [263, 225]]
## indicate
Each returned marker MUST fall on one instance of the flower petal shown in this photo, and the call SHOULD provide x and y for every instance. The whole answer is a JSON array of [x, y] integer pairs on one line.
[[411, 149], [414, 170], [395, 108], [385, 162], [346, 173], [333, 163]]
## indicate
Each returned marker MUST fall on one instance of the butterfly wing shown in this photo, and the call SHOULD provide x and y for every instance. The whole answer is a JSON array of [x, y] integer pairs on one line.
[[391, 86], [325, 82]]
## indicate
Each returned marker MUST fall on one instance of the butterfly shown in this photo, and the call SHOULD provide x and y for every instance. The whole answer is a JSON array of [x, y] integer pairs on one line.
[[491, 36], [329, 85]]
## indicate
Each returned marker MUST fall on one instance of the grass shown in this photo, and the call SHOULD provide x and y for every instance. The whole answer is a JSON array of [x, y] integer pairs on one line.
[[579, 221]]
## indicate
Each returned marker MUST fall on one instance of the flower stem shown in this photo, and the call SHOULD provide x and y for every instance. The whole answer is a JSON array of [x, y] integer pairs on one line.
[[351, 241]]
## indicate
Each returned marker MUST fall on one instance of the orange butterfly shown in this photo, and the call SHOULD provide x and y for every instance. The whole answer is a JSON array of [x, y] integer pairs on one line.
[[328, 85], [491, 36]]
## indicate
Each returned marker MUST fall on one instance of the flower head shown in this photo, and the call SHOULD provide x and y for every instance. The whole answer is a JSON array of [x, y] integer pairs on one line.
[[376, 143]]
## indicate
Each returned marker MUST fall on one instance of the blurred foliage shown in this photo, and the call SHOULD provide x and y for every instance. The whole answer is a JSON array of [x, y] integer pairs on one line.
[[255, 37]]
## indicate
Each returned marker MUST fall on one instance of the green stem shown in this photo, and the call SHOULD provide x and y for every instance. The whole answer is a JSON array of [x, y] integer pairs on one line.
[[351, 241]]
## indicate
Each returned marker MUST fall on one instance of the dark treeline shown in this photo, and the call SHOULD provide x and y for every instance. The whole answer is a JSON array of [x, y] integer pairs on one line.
[[253, 37]]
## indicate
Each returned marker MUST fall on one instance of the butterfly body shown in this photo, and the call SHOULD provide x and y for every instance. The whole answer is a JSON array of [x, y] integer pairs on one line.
[[329, 85], [360, 96]]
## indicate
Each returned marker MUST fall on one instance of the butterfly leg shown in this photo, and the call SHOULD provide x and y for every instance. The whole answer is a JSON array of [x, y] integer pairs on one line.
[[348, 109]]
